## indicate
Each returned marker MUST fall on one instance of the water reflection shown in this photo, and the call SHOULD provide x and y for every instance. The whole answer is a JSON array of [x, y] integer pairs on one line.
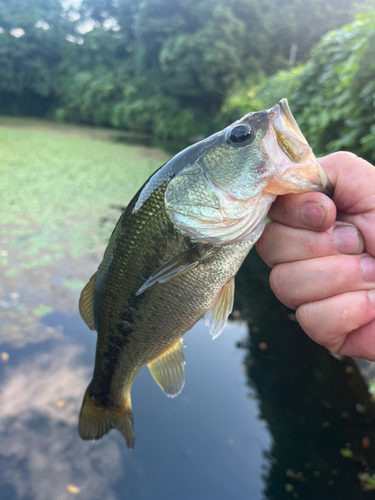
[[265, 411], [317, 407], [209, 441]]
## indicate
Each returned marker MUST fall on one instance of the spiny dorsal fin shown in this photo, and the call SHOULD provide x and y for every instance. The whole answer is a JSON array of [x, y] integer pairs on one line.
[[168, 370], [217, 315], [86, 303], [174, 267]]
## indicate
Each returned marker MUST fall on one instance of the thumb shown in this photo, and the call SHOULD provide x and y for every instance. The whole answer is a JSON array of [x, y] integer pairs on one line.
[[354, 196]]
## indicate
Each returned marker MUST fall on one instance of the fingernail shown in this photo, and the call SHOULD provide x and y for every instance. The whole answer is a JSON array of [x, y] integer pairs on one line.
[[368, 266], [313, 214], [348, 239], [371, 296]]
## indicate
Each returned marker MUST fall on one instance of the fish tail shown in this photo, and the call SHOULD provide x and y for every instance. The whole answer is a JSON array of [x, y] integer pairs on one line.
[[96, 420]]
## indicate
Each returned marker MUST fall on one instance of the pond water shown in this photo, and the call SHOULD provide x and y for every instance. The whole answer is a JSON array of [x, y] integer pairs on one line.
[[209, 441], [265, 413]]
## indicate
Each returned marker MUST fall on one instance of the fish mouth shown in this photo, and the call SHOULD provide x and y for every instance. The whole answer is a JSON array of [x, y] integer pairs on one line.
[[298, 169]]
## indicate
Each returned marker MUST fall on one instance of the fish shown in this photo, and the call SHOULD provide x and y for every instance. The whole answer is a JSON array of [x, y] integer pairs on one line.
[[174, 253]]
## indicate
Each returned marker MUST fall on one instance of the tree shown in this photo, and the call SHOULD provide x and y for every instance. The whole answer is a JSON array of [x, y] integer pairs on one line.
[[32, 43], [333, 95], [163, 67]]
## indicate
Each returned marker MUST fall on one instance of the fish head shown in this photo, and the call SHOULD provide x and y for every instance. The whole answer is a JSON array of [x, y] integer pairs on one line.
[[224, 194], [297, 168]]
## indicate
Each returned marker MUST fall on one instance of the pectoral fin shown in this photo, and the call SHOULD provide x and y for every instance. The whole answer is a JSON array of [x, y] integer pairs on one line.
[[217, 315], [86, 303], [168, 370], [171, 269]]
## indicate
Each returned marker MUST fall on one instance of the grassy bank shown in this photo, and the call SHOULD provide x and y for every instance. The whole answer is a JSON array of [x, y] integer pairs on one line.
[[62, 188]]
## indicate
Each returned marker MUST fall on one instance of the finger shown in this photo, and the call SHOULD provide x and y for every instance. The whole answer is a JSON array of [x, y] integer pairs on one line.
[[360, 343], [354, 194], [328, 321], [280, 244], [313, 211], [311, 280], [353, 179]]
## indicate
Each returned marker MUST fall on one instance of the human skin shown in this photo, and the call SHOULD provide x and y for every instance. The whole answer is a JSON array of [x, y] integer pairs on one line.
[[322, 255]]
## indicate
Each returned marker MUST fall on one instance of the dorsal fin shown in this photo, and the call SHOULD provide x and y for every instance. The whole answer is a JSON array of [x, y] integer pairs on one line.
[[86, 303], [217, 315], [168, 370]]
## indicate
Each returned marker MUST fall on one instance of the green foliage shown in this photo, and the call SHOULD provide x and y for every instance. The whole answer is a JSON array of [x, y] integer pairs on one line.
[[32, 42], [165, 73], [162, 67], [169, 64], [333, 95]]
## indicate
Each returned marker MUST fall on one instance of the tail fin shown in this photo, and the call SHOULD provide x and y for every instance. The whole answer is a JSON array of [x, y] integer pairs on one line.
[[95, 421]]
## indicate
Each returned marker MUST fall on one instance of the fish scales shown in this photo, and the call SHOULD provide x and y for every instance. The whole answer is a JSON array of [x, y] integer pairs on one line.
[[156, 314], [175, 251]]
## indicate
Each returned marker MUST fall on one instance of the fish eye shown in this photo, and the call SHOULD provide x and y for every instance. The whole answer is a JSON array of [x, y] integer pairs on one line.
[[240, 134]]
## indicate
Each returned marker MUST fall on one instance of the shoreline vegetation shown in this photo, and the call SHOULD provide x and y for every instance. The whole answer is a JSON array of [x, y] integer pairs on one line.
[[175, 70]]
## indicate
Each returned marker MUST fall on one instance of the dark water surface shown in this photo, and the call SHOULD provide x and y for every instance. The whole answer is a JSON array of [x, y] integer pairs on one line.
[[209, 441], [265, 414]]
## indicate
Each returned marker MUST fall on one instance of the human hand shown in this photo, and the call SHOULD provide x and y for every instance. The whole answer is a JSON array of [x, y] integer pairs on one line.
[[323, 261]]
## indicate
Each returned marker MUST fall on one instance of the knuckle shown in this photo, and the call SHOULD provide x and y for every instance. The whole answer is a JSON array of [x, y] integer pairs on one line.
[[275, 281], [311, 317], [345, 154], [284, 208], [304, 320], [307, 319], [279, 285], [314, 246], [266, 246]]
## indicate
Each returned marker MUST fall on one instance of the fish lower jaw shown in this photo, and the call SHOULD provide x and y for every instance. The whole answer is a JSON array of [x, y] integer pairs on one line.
[[294, 179]]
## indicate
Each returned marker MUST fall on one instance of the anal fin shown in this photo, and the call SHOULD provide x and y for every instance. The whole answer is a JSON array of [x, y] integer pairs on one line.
[[174, 267], [168, 370], [217, 315], [86, 303]]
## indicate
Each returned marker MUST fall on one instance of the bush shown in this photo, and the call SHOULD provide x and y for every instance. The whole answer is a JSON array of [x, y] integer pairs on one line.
[[332, 96]]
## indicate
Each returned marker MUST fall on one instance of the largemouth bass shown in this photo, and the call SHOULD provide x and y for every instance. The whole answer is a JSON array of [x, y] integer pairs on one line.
[[174, 252]]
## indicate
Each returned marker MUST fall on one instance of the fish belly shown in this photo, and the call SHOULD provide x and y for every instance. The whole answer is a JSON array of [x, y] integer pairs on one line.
[[167, 312]]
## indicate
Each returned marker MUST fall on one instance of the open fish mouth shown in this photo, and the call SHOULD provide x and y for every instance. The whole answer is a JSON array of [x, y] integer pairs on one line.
[[228, 189], [299, 170]]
